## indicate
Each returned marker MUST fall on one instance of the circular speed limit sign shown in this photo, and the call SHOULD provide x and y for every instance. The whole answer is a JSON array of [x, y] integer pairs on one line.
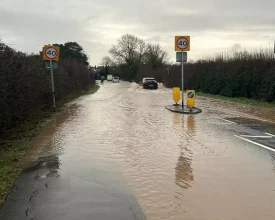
[[182, 43], [51, 53]]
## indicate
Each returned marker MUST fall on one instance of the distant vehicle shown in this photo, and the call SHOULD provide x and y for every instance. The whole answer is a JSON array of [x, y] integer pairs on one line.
[[149, 83], [109, 77], [115, 79]]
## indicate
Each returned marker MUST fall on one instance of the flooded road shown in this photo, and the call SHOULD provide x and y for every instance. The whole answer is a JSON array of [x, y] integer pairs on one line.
[[194, 167]]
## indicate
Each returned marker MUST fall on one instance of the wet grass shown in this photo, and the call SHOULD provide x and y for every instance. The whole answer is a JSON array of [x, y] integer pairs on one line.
[[16, 141], [12, 149], [238, 100], [93, 89]]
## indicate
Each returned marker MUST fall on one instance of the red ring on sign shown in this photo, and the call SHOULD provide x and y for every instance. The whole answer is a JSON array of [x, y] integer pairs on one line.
[[186, 40], [56, 52]]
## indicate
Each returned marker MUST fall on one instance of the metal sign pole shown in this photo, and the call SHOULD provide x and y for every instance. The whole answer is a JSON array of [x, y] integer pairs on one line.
[[51, 67], [182, 82]]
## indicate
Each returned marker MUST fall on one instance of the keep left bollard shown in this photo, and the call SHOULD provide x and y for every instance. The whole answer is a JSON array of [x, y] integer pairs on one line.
[[190, 98]]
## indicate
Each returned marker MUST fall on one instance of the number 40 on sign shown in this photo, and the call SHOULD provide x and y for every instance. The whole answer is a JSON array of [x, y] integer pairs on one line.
[[182, 43], [51, 53]]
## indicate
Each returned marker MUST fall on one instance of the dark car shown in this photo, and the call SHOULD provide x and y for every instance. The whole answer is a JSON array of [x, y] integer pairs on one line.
[[149, 83]]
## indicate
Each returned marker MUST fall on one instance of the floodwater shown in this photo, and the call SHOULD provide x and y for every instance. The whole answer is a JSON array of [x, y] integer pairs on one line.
[[177, 166]]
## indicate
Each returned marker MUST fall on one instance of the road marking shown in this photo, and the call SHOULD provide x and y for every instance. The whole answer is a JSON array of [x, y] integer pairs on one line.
[[251, 136], [253, 142], [270, 134], [231, 122], [221, 123]]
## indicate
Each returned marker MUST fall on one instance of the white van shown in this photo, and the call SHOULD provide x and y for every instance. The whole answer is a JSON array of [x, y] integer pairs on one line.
[[109, 77]]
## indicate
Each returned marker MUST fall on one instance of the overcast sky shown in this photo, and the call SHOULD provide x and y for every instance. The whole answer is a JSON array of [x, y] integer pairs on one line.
[[214, 25]]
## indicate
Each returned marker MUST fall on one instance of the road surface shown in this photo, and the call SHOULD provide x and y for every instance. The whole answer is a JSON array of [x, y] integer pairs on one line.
[[119, 154]]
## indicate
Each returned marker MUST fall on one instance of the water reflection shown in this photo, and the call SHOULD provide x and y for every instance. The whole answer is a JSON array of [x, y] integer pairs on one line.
[[183, 171], [178, 124], [191, 125]]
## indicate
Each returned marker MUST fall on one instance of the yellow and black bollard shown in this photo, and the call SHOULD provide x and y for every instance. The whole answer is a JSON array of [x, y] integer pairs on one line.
[[190, 98], [176, 94]]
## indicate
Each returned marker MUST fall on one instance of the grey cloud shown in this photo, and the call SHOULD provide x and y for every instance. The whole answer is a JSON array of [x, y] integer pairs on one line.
[[153, 39], [96, 23], [24, 24], [31, 31], [168, 21]]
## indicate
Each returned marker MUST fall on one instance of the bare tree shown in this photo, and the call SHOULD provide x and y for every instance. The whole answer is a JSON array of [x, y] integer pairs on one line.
[[106, 61], [129, 54], [129, 50], [155, 56]]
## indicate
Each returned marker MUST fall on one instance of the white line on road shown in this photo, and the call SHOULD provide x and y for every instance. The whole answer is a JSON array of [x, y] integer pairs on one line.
[[253, 142], [231, 122], [270, 134], [251, 136], [221, 123]]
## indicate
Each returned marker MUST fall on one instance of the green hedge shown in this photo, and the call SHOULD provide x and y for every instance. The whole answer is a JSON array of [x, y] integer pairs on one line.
[[25, 85], [251, 76]]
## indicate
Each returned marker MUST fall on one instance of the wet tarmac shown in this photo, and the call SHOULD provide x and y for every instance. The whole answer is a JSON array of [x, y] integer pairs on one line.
[[119, 154]]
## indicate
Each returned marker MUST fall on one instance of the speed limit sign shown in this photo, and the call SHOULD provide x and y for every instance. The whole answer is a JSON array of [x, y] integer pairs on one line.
[[51, 53], [182, 43]]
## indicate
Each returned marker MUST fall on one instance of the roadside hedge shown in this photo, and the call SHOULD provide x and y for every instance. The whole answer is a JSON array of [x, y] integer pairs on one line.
[[248, 75], [25, 85]]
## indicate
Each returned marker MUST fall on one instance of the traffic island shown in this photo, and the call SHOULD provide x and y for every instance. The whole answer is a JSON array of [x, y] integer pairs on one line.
[[186, 110], [190, 100]]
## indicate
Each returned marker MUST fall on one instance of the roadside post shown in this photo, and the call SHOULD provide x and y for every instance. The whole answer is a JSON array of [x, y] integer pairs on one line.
[[168, 70], [190, 98], [51, 53], [176, 94], [182, 43]]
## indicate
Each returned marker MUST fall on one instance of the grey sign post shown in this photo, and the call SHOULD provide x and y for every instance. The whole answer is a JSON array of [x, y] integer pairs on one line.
[[182, 43], [182, 57], [51, 67], [182, 81], [51, 53]]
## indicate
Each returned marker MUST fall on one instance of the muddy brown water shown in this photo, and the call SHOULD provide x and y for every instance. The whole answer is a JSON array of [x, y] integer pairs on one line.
[[177, 166]]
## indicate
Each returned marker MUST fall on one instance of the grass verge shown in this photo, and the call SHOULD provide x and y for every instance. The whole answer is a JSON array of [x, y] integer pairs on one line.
[[239, 100], [93, 89], [16, 142]]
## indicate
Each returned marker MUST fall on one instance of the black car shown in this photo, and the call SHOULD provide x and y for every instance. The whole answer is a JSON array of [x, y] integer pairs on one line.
[[149, 83]]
